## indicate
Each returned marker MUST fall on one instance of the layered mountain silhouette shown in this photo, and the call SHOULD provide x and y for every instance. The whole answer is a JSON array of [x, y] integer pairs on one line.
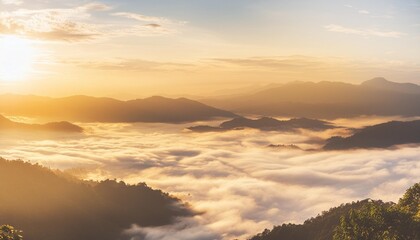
[[378, 136], [92, 109], [65, 127], [328, 100], [266, 124], [51, 205]]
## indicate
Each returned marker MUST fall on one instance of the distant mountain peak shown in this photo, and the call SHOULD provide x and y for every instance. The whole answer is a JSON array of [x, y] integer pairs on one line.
[[377, 80], [381, 83]]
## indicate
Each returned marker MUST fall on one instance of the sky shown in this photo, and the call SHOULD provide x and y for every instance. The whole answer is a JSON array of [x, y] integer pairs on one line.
[[131, 49]]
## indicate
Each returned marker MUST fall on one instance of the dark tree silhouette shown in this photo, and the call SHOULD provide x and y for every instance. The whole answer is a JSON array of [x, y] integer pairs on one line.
[[50, 205]]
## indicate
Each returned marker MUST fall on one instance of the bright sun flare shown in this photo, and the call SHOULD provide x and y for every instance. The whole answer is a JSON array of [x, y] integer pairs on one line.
[[17, 56]]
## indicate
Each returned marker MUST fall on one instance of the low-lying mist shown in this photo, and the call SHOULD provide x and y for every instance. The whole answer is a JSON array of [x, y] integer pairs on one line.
[[239, 183]]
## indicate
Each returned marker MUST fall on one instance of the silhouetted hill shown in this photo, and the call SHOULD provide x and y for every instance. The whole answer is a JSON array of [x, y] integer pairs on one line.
[[92, 109], [8, 125], [362, 220], [383, 84], [378, 136], [49, 205], [267, 124], [328, 100]]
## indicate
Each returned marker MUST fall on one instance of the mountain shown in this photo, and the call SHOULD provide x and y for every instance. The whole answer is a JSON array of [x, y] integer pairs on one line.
[[51, 205], [267, 124], [362, 220], [8, 125], [383, 84], [92, 109], [378, 136], [328, 100]]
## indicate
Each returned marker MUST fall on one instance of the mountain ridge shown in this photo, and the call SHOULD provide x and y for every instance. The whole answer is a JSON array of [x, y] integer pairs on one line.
[[63, 126], [328, 100], [266, 124], [382, 135], [82, 108]]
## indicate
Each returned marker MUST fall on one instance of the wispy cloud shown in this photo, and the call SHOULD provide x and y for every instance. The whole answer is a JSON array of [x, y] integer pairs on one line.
[[143, 18], [149, 24], [363, 12], [77, 24], [68, 24], [12, 2], [132, 65], [363, 32]]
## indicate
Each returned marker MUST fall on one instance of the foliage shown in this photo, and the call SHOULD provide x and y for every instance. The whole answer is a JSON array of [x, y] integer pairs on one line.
[[362, 220], [10, 233], [50, 205], [410, 202], [376, 222]]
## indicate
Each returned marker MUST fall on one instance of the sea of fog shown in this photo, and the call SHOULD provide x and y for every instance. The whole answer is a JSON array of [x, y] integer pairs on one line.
[[238, 184]]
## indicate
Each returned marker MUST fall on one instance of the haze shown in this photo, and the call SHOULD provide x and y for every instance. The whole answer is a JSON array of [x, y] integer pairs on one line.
[[131, 49], [210, 119]]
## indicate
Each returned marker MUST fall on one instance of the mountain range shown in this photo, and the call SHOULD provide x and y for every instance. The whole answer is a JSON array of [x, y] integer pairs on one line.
[[377, 96], [92, 109]]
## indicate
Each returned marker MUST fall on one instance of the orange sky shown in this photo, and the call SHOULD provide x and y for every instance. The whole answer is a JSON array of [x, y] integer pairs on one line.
[[129, 49]]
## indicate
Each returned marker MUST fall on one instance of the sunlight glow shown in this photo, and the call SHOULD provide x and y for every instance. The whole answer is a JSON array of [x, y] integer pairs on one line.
[[17, 57]]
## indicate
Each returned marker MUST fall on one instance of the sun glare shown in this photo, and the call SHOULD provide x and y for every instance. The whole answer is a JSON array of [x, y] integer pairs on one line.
[[17, 56]]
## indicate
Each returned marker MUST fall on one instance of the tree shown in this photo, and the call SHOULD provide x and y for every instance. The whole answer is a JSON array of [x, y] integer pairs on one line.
[[410, 202], [10, 233]]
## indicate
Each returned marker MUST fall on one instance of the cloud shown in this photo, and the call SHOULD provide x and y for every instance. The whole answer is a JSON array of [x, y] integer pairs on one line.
[[363, 12], [289, 63], [363, 32], [302, 64], [52, 24], [182, 229], [76, 24], [12, 2], [95, 6], [239, 185], [142, 18], [131, 65], [152, 24]]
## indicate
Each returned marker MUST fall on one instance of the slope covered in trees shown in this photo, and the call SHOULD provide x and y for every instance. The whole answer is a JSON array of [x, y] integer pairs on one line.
[[50, 205], [378, 136], [362, 220]]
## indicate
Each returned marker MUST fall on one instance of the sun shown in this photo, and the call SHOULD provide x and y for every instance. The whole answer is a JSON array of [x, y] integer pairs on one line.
[[17, 56]]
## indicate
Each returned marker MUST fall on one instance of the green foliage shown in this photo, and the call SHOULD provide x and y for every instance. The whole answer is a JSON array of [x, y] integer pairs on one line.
[[410, 202], [363, 220], [376, 222], [10, 233]]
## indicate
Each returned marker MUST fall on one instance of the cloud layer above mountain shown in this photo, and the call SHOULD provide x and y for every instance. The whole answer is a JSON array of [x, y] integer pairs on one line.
[[239, 184]]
